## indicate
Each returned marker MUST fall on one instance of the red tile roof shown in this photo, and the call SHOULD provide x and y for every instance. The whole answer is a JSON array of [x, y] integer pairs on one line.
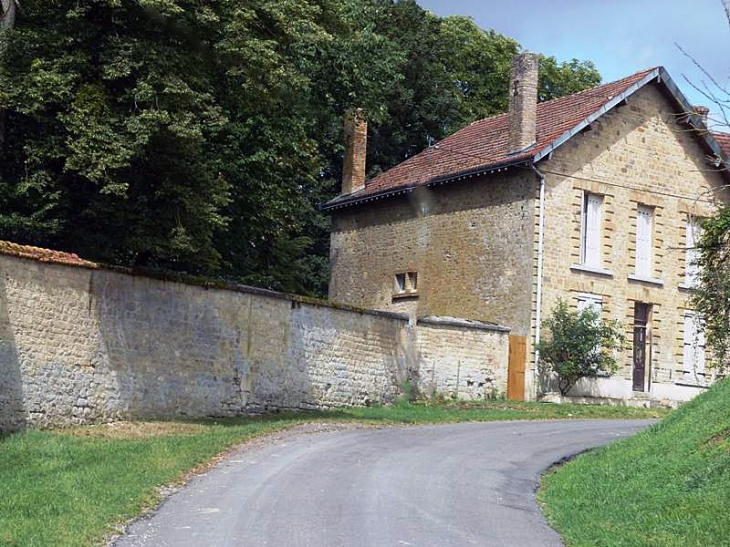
[[723, 139], [43, 255], [483, 143]]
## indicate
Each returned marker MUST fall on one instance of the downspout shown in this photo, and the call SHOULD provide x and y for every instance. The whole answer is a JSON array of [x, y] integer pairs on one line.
[[540, 245]]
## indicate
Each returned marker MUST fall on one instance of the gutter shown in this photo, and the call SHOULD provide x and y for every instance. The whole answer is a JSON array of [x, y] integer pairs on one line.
[[467, 174], [540, 253]]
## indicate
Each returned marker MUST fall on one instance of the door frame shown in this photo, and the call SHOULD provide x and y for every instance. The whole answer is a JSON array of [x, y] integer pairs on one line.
[[642, 320]]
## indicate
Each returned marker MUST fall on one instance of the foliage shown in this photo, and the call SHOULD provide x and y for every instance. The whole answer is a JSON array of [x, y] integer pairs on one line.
[[200, 136], [668, 485], [581, 345], [712, 297]]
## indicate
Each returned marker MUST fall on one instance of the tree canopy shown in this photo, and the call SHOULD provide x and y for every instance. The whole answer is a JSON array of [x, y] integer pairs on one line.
[[200, 136]]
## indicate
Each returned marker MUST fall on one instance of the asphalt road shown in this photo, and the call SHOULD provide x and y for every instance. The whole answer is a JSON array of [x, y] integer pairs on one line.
[[435, 486]]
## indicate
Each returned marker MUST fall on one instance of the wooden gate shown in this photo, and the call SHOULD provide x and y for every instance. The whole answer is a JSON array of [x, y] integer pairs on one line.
[[516, 370]]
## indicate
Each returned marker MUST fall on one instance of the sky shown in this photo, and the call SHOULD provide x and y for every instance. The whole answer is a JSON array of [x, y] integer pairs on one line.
[[620, 36]]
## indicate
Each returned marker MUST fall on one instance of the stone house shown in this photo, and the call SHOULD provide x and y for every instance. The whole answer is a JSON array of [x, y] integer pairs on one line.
[[593, 198]]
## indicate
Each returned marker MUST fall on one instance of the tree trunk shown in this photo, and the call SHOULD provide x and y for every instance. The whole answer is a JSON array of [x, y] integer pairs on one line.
[[7, 22]]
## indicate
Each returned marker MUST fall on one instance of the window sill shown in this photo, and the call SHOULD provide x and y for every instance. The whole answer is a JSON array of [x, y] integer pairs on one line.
[[591, 269], [689, 383], [411, 295], [642, 279], [687, 287]]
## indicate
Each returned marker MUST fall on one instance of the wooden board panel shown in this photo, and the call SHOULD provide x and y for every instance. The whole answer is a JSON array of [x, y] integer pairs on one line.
[[516, 370]]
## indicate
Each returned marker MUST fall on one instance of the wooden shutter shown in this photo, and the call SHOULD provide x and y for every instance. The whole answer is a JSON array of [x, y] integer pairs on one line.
[[688, 364], [691, 268], [592, 231], [694, 347], [643, 241]]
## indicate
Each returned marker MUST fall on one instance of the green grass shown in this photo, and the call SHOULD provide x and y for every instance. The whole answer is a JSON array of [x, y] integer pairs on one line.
[[668, 486], [71, 487]]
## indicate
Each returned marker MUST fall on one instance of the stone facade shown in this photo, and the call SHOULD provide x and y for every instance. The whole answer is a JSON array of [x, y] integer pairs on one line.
[[635, 155], [85, 344], [468, 241], [474, 242]]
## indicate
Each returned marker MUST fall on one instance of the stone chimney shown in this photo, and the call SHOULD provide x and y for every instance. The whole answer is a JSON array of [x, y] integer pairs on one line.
[[523, 101], [703, 112], [356, 141]]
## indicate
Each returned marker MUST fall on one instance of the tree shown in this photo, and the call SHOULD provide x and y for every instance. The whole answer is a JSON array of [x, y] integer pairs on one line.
[[200, 136], [712, 298], [581, 345]]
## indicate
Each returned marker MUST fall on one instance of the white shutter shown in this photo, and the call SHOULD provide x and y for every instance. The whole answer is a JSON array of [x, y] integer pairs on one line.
[[590, 301], [688, 355], [692, 270], [643, 241], [694, 348], [699, 348], [592, 231]]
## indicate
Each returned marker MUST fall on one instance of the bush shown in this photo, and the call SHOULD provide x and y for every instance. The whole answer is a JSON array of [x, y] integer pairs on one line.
[[581, 345]]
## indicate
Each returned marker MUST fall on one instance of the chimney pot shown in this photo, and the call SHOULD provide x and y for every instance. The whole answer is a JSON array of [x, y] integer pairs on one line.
[[703, 112], [356, 137], [523, 101]]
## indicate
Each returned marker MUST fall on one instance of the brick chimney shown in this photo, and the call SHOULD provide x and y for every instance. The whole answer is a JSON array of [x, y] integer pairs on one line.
[[356, 141], [703, 112], [523, 101]]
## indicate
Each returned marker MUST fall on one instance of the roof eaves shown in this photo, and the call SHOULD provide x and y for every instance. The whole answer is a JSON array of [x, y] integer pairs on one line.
[[565, 137], [482, 170], [662, 76]]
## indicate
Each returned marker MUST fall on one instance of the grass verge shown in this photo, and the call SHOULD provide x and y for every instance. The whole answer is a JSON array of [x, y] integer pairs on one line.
[[668, 486], [72, 487]]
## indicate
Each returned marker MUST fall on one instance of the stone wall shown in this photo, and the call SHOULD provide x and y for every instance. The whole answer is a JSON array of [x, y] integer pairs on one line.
[[86, 344], [469, 241], [462, 359]]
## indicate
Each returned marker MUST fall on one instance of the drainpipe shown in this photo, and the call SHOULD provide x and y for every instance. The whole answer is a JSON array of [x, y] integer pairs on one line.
[[540, 244]]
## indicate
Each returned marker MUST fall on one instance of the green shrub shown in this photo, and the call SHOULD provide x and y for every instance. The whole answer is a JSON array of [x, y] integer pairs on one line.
[[581, 345]]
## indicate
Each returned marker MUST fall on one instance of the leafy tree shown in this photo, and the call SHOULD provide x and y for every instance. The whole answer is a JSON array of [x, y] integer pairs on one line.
[[581, 345], [200, 136], [712, 298]]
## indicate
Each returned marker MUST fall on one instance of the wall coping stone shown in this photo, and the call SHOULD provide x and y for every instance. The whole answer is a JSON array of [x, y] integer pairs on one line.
[[461, 323], [36, 254]]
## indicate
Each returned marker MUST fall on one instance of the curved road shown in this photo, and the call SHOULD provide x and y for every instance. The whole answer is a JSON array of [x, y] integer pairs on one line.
[[437, 486]]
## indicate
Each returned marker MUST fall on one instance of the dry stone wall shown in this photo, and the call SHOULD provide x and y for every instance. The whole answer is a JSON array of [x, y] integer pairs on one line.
[[85, 344]]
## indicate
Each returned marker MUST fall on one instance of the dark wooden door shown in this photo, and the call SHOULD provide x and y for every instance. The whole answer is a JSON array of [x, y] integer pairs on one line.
[[641, 320], [516, 370]]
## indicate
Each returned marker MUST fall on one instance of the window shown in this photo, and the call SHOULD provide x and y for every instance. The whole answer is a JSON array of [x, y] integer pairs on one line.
[[590, 301], [591, 230], [406, 284], [644, 241], [694, 348], [692, 270]]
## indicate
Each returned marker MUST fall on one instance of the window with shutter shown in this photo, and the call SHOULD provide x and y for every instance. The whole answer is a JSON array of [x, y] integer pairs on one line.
[[590, 301], [644, 229], [591, 230], [694, 348], [692, 271]]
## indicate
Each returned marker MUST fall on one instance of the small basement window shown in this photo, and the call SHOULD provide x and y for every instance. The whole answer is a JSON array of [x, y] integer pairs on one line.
[[406, 284]]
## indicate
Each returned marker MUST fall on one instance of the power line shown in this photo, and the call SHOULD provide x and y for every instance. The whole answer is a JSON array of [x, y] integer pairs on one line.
[[576, 177]]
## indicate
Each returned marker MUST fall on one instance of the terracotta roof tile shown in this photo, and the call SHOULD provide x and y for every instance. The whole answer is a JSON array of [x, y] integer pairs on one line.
[[43, 255], [483, 143], [723, 139]]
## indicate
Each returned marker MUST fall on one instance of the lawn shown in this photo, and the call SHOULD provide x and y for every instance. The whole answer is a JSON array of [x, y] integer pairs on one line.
[[73, 487], [668, 486]]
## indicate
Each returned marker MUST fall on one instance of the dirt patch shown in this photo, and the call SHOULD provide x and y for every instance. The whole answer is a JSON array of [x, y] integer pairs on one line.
[[722, 438], [135, 430]]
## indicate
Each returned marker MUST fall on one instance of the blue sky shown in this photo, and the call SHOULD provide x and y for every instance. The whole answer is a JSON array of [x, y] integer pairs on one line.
[[620, 36]]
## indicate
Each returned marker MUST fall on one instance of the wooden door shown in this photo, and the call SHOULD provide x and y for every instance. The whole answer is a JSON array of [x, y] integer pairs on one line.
[[516, 370], [641, 320]]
